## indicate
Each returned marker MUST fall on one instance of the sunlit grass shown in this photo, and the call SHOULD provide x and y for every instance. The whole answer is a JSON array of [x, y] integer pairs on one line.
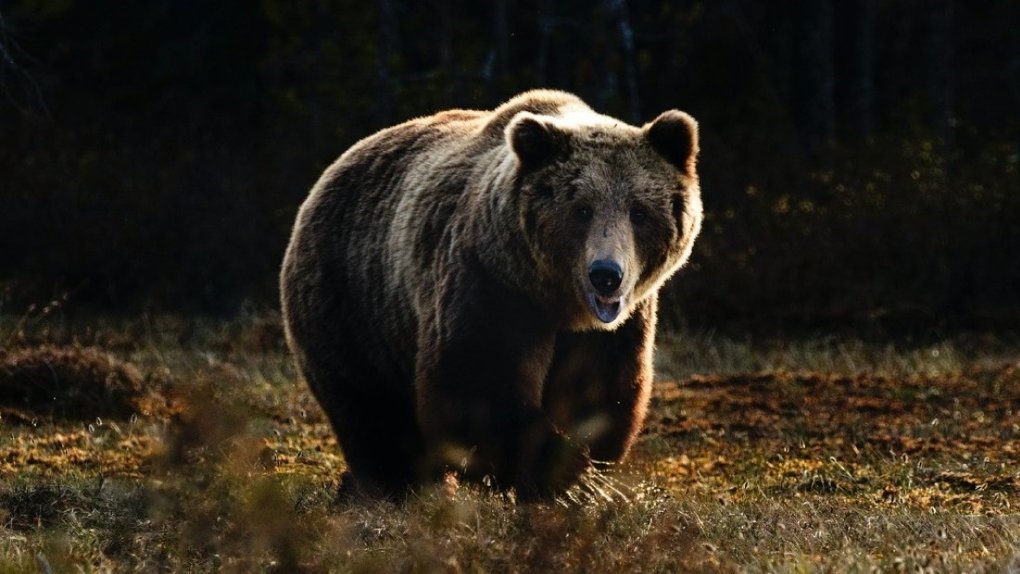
[[681, 354], [815, 455]]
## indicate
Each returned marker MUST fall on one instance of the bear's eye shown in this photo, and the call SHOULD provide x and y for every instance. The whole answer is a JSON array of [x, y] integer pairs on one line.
[[638, 215], [583, 213]]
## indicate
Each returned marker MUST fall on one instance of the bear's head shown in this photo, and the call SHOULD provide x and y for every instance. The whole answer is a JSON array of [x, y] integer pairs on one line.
[[608, 211]]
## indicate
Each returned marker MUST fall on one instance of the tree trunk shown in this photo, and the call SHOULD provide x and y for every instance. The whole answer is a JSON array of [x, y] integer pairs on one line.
[[816, 77], [502, 31], [862, 79], [386, 48], [940, 70], [545, 28], [450, 77], [621, 15]]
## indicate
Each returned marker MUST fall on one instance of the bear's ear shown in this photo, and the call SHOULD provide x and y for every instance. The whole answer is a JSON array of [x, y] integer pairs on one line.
[[534, 140], [674, 135]]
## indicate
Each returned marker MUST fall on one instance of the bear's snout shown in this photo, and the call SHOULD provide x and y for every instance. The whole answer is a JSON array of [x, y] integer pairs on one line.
[[606, 276]]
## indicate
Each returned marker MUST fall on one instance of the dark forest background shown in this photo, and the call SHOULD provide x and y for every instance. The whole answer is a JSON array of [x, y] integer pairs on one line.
[[859, 158]]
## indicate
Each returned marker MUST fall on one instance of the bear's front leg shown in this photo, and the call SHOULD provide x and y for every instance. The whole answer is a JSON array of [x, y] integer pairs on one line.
[[599, 384], [482, 360]]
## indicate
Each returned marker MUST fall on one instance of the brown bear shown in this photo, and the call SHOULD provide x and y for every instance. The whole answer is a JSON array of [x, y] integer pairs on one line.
[[476, 291]]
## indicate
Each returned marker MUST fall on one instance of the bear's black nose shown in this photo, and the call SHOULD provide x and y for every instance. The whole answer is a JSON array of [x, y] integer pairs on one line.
[[605, 275]]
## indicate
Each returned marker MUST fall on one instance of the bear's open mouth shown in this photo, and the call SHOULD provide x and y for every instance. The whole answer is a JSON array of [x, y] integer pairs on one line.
[[607, 309]]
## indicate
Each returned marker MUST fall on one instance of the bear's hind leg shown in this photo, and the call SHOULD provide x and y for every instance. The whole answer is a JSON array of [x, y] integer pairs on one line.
[[375, 425]]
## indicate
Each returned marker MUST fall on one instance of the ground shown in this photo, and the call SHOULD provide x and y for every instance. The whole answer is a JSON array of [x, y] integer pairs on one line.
[[808, 454]]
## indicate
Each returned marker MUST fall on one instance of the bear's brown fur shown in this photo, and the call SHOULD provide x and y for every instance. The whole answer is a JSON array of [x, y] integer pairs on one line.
[[477, 290]]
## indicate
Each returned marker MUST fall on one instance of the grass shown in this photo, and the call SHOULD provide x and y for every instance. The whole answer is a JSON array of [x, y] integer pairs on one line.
[[810, 455]]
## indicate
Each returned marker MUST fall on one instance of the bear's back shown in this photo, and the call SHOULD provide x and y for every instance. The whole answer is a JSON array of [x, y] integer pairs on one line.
[[542, 102], [456, 132], [376, 218]]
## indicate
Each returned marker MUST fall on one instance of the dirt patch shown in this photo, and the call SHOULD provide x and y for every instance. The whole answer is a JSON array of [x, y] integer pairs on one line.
[[71, 383], [920, 413], [948, 441]]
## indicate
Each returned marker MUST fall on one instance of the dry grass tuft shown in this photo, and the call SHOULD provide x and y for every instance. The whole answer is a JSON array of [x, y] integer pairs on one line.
[[74, 383]]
